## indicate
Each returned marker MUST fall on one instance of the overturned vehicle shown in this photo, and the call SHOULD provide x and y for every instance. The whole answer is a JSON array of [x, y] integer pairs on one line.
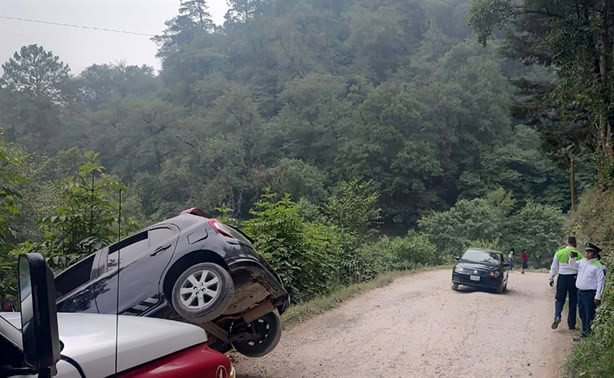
[[190, 268]]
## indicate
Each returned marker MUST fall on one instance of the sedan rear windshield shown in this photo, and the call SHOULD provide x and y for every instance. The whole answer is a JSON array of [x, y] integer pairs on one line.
[[478, 256]]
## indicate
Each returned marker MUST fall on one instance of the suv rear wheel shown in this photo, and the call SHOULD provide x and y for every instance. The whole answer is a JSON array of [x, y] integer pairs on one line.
[[202, 292], [258, 337]]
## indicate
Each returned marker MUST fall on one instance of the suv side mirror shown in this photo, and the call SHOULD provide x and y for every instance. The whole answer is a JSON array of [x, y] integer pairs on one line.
[[457, 257], [39, 321]]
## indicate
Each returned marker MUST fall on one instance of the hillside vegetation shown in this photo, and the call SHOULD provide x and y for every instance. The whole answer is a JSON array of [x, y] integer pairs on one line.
[[347, 137], [594, 220]]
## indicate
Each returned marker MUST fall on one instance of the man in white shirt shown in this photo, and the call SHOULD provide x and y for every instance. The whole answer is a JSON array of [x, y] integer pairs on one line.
[[565, 283], [590, 283]]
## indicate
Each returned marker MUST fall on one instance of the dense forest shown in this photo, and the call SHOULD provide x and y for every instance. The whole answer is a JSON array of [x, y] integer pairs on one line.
[[377, 117], [298, 97]]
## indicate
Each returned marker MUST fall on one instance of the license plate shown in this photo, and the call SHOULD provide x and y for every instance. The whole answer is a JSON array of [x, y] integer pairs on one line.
[[474, 278]]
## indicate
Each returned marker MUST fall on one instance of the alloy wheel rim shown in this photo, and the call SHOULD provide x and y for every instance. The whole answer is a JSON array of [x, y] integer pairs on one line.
[[200, 289]]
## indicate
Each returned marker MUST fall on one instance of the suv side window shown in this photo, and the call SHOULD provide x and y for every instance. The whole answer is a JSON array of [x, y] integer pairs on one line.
[[159, 236], [130, 250]]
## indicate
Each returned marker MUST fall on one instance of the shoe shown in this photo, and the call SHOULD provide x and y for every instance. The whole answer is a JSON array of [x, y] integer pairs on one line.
[[572, 328], [555, 323]]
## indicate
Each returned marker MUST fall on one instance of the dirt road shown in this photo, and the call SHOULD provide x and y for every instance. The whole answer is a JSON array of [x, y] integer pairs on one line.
[[419, 327]]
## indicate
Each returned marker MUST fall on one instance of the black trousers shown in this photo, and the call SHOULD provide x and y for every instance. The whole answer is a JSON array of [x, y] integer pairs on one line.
[[566, 285], [587, 309]]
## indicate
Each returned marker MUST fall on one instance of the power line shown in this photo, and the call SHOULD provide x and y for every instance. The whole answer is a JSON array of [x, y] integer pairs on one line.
[[77, 26]]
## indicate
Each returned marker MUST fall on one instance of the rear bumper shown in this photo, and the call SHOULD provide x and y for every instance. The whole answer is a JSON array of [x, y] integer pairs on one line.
[[485, 282], [263, 274]]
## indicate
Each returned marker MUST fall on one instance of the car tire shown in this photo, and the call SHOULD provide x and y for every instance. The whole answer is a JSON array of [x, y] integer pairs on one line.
[[501, 288], [202, 292], [268, 333], [454, 286]]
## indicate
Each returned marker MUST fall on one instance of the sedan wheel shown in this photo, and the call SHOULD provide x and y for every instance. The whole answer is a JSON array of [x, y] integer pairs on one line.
[[202, 292], [501, 288]]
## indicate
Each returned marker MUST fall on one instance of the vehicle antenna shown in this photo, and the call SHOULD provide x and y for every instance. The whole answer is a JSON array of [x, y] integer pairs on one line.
[[119, 236], [119, 218]]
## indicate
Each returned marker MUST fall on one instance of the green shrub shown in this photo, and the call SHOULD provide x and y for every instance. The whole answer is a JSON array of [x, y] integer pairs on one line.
[[487, 218], [11, 164], [277, 228], [309, 257], [594, 221], [388, 254], [353, 206], [492, 222], [539, 229]]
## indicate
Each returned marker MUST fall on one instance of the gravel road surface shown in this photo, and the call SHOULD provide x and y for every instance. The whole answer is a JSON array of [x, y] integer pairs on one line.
[[419, 327]]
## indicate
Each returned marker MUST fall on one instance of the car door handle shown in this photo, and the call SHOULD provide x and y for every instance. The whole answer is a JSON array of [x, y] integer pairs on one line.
[[161, 249]]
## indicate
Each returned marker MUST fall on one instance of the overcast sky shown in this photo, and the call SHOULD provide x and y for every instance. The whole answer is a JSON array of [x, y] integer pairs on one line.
[[80, 47]]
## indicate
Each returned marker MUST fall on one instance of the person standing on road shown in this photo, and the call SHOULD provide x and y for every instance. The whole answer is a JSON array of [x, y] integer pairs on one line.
[[565, 283], [525, 260], [511, 259], [590, 283]]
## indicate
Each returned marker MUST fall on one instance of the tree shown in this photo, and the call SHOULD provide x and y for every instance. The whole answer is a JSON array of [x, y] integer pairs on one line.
[[197, 11], [353, 206], [32, 96], [11, 165], [314, 116], [518, 166], [468, 221], [494, 221], [100, 84], [136, 133], [193, 18], [36, 73], [87, 214], [538, 228], [242, 10], [577, 38], [381, 34]]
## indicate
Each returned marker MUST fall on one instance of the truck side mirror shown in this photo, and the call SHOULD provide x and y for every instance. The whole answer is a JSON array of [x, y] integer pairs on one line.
[[39, 321]]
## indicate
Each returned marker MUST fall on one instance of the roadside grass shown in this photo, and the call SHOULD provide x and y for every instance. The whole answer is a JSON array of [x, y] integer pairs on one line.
[[593, 357], [301, 312]]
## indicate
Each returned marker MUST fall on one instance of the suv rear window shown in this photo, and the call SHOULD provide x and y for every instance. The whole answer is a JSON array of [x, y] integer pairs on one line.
[[74, 277]]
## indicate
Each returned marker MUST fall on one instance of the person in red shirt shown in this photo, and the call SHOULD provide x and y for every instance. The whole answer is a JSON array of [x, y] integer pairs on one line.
[[525, 260]]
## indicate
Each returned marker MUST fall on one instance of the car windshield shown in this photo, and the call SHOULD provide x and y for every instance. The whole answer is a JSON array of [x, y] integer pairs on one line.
[[481, 256]]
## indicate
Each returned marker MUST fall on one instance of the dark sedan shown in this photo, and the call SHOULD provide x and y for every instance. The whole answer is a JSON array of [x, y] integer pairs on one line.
[[190, 268], [481, 269]]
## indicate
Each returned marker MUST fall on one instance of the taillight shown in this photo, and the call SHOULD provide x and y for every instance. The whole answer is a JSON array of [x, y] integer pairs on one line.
[[220, 227]]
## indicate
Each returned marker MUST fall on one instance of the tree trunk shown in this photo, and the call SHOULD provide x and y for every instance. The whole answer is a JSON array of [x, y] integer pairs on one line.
[[572, 182], [606, 71]]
